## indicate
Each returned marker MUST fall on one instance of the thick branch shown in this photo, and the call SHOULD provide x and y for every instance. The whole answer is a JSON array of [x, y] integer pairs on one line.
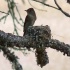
[[37, 36], [59, 46], [12, 40]]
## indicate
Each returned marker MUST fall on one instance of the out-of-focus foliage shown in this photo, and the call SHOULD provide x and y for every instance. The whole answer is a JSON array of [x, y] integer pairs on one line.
[[23, 1], [11, 11], [41, 0]]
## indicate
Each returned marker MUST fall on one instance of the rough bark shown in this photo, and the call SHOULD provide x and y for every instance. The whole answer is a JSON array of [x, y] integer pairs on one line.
[[39, 38]]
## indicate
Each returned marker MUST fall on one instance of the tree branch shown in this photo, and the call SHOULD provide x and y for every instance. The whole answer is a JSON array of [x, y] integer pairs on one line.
[[65, 13], [60, 46], [59, 8], [3, 12], [11, 57], [12, 40], [39, 38], [30, 40], [45, 4]]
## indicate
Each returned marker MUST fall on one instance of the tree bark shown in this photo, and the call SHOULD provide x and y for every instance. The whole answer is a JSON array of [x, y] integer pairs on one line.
[[39, 38]]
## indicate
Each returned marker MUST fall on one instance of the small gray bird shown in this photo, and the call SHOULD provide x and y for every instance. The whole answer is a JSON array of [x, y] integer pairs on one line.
[[30, 19]]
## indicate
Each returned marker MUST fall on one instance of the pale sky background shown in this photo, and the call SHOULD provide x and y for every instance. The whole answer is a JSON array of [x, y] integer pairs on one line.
[[60, 28]]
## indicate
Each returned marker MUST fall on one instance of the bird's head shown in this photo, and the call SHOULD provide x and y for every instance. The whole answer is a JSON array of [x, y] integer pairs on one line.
[[30, 11]]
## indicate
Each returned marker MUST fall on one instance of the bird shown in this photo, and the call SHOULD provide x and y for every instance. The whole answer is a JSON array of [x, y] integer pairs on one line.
[[29, 20]]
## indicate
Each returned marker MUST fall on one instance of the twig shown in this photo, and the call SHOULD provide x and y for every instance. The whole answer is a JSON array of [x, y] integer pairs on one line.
[[19, 14], [65, 13], [11, 11], [35, 7], [3, 12], [46, 4], [59, 8], [4, 17]]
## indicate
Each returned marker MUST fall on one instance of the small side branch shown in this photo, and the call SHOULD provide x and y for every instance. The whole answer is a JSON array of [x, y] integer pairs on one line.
[[45, 4], [3, 12]]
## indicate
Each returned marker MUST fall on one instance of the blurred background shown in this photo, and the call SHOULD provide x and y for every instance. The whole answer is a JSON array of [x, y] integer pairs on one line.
[[60, 29]]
